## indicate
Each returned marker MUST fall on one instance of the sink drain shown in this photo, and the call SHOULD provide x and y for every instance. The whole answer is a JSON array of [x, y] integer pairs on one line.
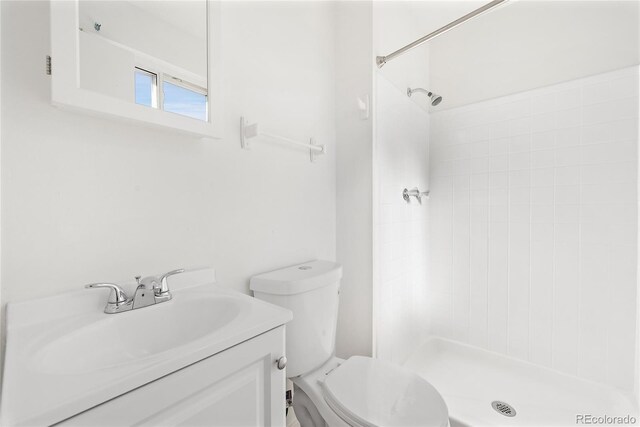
[[503, 408]]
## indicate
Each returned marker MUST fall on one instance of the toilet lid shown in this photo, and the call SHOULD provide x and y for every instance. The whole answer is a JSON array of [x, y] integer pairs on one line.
[[371, 393]]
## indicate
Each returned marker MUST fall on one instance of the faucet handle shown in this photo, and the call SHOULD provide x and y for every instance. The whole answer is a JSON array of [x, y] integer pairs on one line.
[[164, 286], [117, 296]]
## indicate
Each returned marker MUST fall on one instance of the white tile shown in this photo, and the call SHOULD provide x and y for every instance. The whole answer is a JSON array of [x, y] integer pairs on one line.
[[498, 163], [567, 175], [499, 146], [594, 301], [608, 173], [568, 118], [569, 98], [480, 197], [543, 158], [543, 140], [498, 180], [623, 87], [518, 298], [499, 213], [567, 214], [565, 297], [461, 166], [626, 129], [541, 229], [542, 214], [520, 143], [479, 181], [520, 178], [568, 137], [520, 126], [611, 110], [544, 103], [566, 156], [607, 153], [601, 132], [497, 287], [542, 177], [543, 122], [517, 108], [499, 130], [480, 149], [499, 196], [480, 165], [519, 195], [541, 294], [620, 321], [542, 195], [609, 193], [567, 194], [609, 212], [520, 213], [519, 160]]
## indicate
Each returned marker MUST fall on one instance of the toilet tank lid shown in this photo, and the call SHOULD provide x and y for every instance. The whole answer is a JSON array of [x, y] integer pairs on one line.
[[297, 278]]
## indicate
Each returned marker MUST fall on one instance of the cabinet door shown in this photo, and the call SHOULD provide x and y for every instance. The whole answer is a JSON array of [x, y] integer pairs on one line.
[[241, 386]]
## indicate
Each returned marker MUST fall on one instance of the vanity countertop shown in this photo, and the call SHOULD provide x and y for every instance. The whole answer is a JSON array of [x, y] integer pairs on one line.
[[64, 355]]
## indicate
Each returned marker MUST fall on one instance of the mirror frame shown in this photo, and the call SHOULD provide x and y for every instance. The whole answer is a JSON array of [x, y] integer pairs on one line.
[[67, 93]]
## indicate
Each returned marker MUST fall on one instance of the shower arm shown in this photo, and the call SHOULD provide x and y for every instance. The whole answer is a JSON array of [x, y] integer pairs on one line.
[[418, 89], [381, 60]]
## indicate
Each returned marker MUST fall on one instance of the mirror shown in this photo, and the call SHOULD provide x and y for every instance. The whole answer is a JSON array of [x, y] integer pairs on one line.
[[152, 53]]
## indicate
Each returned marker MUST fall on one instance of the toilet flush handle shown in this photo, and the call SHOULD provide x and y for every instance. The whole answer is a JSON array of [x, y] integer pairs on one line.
[[281, 363]]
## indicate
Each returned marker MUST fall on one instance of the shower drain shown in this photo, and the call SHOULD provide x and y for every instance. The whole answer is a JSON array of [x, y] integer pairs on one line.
[[503, 408]]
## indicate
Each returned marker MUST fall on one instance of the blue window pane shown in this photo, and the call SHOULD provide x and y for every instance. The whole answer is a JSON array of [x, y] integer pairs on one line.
[[180, 100], [145, 83]]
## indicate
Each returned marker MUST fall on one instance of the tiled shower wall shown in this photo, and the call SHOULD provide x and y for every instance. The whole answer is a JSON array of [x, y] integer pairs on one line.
[[401, 237], [533, 222]]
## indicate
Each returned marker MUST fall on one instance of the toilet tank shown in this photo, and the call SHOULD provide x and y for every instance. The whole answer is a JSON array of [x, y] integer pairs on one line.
[[310, 291]]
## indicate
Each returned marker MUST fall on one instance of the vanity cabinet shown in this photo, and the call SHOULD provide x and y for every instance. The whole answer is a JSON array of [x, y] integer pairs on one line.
[[241, 386]]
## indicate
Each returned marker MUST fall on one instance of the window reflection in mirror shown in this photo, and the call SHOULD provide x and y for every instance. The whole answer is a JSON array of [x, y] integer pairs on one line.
[[149, 52]]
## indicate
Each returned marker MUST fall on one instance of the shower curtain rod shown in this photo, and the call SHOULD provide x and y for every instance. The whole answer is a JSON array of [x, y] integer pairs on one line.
[[381, 60]]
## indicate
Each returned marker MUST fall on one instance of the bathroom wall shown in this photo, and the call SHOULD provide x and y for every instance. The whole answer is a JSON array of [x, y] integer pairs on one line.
[[401, 130], [363, 30], [533, 225], [524, 45], [354, 151], [402, 236], [88, 198]]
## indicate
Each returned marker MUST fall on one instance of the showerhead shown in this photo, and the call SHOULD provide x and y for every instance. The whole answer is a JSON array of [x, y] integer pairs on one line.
[[435, 99]]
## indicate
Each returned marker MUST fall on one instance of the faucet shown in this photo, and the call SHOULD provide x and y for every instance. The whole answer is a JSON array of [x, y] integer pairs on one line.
[[150, 290]]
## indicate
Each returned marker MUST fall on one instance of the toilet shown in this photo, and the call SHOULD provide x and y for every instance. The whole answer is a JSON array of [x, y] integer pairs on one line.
[[329, 391]]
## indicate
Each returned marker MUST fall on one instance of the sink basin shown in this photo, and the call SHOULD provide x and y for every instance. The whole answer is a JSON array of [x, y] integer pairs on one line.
[[137, 334]]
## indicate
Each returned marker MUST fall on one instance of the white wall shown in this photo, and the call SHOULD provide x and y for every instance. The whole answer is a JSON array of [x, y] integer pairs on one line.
[[534, 225], [528, 44], [88, 199], [401, 129], [401, 269], [354, 136]]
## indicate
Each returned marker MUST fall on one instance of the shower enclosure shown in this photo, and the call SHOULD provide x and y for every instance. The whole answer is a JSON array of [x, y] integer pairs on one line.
[[513, 287]]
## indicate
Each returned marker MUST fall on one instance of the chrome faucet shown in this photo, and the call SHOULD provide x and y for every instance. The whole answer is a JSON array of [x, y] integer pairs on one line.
[[150, 290]]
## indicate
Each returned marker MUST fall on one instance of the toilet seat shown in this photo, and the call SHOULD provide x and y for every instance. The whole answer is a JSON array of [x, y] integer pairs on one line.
[[368, 392]]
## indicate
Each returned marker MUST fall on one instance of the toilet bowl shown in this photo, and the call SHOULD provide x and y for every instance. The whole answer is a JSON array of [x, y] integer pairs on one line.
[[328, 391]]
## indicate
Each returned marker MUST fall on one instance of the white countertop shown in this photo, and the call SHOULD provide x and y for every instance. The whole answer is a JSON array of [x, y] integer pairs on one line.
[[33, 395]]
